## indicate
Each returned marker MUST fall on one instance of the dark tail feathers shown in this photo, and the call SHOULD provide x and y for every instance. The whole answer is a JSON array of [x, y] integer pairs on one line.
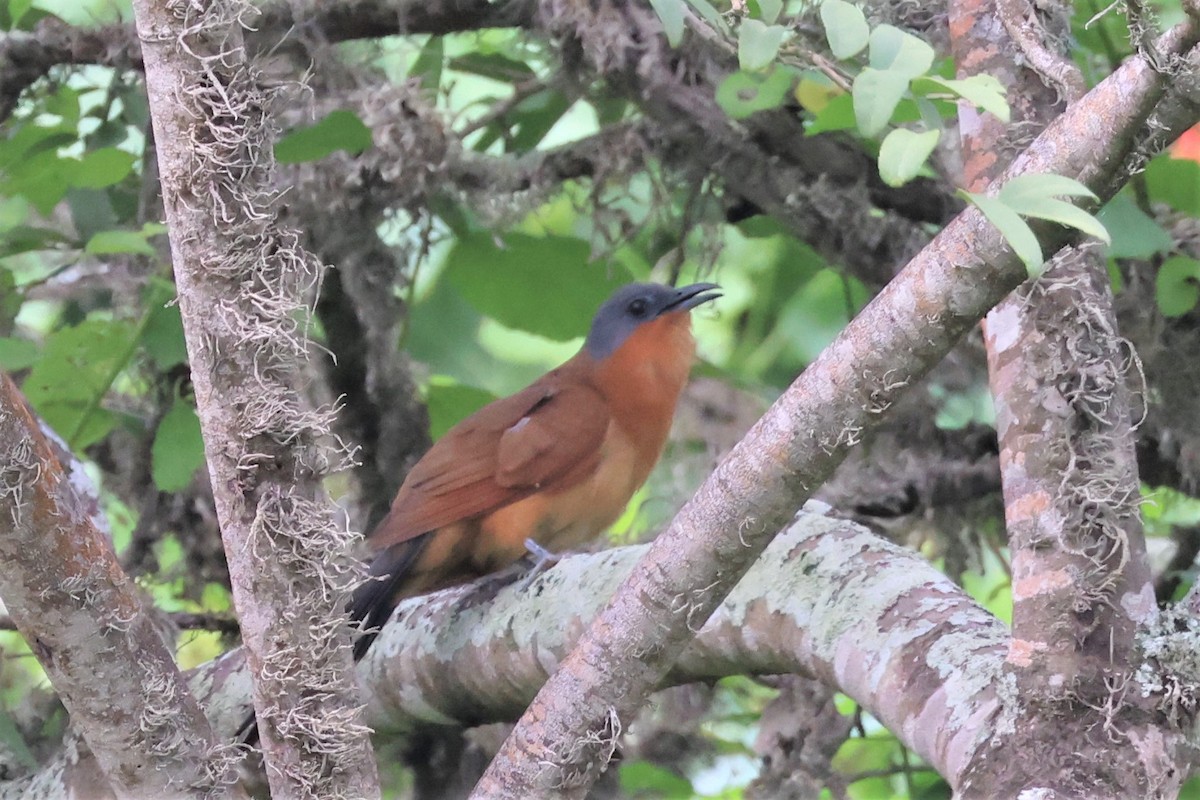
[[375, 598], [369, 608]]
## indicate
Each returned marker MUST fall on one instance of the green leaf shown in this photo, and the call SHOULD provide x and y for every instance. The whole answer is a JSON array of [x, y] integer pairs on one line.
[[1063, 213], [74, 370], [215, 597], [32, 17], [109, 133], [41, 178], [24, 238], [91, 211], [992, 587], [845, 28], [169, 552], [983, 91], [1176, 182], [1033, 185], [1033, 195], [11, 298], [450, 402], [857, 754], [109, 242], [771, 9], [1191, 789], [758, 44], [959, 408], [529, 121], [1134, 234], [838, 115], [670, 13], [13, 744], [903, 153], [1177, 286], [745, 93], [101, 168], [876, 94], [428, 65], [644, 779], [178, 449], [812, 317], [492, 65], [845, 705], [899, 52], [18, 150], [17, 353], [162, 336], [16, 10], [710, 14], [339, 130], [542, 285], [1015, 230], [64, 103]]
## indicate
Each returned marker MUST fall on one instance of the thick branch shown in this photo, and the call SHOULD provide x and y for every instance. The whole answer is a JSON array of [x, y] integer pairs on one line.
[[912, 323], [1080, 577], [25, 57], [828, 599], [283, 26], [242, 280], [85, 622]]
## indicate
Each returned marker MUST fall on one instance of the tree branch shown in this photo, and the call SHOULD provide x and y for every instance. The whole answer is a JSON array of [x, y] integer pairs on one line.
[[824, 189], [85, 622], [242, 279], [707, 548], [1081, 582], [829, 600], [26, 57]]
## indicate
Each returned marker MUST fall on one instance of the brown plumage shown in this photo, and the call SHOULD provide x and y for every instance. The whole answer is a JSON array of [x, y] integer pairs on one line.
[[556, 462]]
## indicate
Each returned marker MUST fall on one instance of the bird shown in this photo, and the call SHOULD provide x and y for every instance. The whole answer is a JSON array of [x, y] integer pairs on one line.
[[546, 469]]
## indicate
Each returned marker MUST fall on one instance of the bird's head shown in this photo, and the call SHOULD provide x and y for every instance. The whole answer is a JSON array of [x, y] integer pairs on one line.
[[639, 304]]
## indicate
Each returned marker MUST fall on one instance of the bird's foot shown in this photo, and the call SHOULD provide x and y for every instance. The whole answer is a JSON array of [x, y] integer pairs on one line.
[[543, 560]]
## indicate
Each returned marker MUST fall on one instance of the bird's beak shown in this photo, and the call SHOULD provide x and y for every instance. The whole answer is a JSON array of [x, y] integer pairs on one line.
[[688, 297]]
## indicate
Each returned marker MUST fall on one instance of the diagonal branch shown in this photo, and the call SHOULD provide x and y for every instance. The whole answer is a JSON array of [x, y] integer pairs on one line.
[[710, 544], [85, 622]]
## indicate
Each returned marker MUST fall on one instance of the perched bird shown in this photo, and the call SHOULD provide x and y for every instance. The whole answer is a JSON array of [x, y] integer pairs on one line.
[[547, 468]]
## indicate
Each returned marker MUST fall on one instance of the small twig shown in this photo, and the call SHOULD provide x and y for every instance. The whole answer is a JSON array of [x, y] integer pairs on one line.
[[521, 92], [887, 772], [1019, 20], [1111, 52], [1143, 28], [184, 620], [830, 70]]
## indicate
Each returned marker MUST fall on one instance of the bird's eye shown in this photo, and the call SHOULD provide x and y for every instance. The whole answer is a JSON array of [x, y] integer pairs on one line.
[[638, 307]]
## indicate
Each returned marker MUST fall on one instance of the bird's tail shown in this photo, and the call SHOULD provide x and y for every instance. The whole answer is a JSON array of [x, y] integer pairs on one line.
[[370, 606], [375, 597]]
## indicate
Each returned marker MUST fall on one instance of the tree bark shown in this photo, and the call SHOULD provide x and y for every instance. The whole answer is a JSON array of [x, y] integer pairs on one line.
[[241, 280], [828, 600], [85, 621], [1080, 577], [564, 739]]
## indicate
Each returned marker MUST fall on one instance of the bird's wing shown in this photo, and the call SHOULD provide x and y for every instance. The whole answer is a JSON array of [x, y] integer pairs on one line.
[[548, 434]]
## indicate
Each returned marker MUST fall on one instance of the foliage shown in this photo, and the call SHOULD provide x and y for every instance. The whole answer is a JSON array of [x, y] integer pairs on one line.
[[499, 291]]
